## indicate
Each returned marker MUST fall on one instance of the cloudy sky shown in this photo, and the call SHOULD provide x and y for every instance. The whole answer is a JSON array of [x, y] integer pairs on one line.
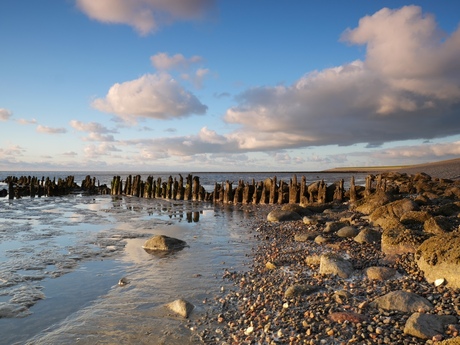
[[209, 85]]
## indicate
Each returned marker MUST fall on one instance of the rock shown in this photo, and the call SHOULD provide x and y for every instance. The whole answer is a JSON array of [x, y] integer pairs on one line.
[[374, 201], [334, 226], [181, 307], [308, 221], [395, 209], [452, 341], [406, 302], [437, 225], [313, 260], [282, 215], [270, 266], [163, 243], [299, 290], [305, 236], [321, 239], [348, 231], [342, 316], [426, 326], [439, 257], [336, 265], [380, 273], [397, 241], [9, 310], [414, 218], [302, 211], [368, 236]]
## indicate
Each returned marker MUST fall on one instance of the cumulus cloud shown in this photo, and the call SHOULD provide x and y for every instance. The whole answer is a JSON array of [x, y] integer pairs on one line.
[[162, 61], [156, 96], [51, 130], [144, 15], [5, 114], [408, 87]]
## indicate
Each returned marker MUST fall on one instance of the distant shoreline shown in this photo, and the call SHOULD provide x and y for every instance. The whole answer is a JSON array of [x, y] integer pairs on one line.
[[449, 169]]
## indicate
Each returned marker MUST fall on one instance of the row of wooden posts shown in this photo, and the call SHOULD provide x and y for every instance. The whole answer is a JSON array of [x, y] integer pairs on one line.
[[269, 191]]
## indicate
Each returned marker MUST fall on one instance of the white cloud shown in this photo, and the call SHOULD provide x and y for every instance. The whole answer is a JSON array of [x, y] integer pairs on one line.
[[11, 151], [162, 61], [90, 127], [51, 130], [144, 15], [408, 87], [27, 122], [102, 149], [156, 96], [5, 114]]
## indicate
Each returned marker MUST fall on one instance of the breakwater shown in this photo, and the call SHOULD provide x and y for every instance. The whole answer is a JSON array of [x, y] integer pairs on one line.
[[269, 191]]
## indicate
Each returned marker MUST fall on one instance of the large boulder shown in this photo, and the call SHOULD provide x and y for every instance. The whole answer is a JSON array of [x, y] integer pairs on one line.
[[403, 301], [302, 211], [163, 243], [395, 209], [380, 273], [426, 326], [374, 201], [439, 257]]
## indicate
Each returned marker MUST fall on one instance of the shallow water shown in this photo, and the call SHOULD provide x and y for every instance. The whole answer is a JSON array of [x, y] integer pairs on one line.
[[61, 260]]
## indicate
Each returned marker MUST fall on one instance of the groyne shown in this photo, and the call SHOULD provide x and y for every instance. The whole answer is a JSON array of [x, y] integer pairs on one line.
[[269, 191]]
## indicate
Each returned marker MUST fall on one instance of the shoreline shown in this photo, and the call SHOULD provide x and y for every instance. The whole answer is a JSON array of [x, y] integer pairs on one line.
[[284, 298]]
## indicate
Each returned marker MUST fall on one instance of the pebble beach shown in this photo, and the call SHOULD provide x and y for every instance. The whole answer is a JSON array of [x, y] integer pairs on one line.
[[287, 297]]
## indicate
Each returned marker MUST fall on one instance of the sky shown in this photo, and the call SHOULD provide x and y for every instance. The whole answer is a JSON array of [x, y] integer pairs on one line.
[[220, 85]]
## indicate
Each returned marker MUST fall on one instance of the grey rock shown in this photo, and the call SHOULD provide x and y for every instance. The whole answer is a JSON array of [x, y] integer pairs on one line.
[[348, 231], [426, 326], [181, 307], [163, 243], [283, 215], [336, 265], [406, 302], [368, 236], [439, 257]]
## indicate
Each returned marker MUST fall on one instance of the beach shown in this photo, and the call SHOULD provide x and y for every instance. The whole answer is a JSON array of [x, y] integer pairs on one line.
[[252, 278]]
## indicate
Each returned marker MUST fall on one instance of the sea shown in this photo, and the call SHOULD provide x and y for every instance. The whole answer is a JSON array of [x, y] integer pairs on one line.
[[73, 270]]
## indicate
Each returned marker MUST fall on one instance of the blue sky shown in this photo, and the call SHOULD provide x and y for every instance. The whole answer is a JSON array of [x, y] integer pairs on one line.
[[204, 85]]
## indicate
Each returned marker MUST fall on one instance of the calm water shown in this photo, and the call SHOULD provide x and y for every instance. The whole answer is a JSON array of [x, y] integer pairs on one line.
[[61, 259]]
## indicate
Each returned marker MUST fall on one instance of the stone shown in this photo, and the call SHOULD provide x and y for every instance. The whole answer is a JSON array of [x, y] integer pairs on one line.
[[181, 307], [439, 257], [305, 236], [437, 225], [342, 316], [299, 290], [395, 209], [380, 273], [283, 215], [348, 231], [334, 226], [321, 239], [336, 265], [368, 236], [163, 243], [313, 260], [426, 326], [403, 301], [374, 201], [414, 217], [397, 241], [452, 341], [302, 211]]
